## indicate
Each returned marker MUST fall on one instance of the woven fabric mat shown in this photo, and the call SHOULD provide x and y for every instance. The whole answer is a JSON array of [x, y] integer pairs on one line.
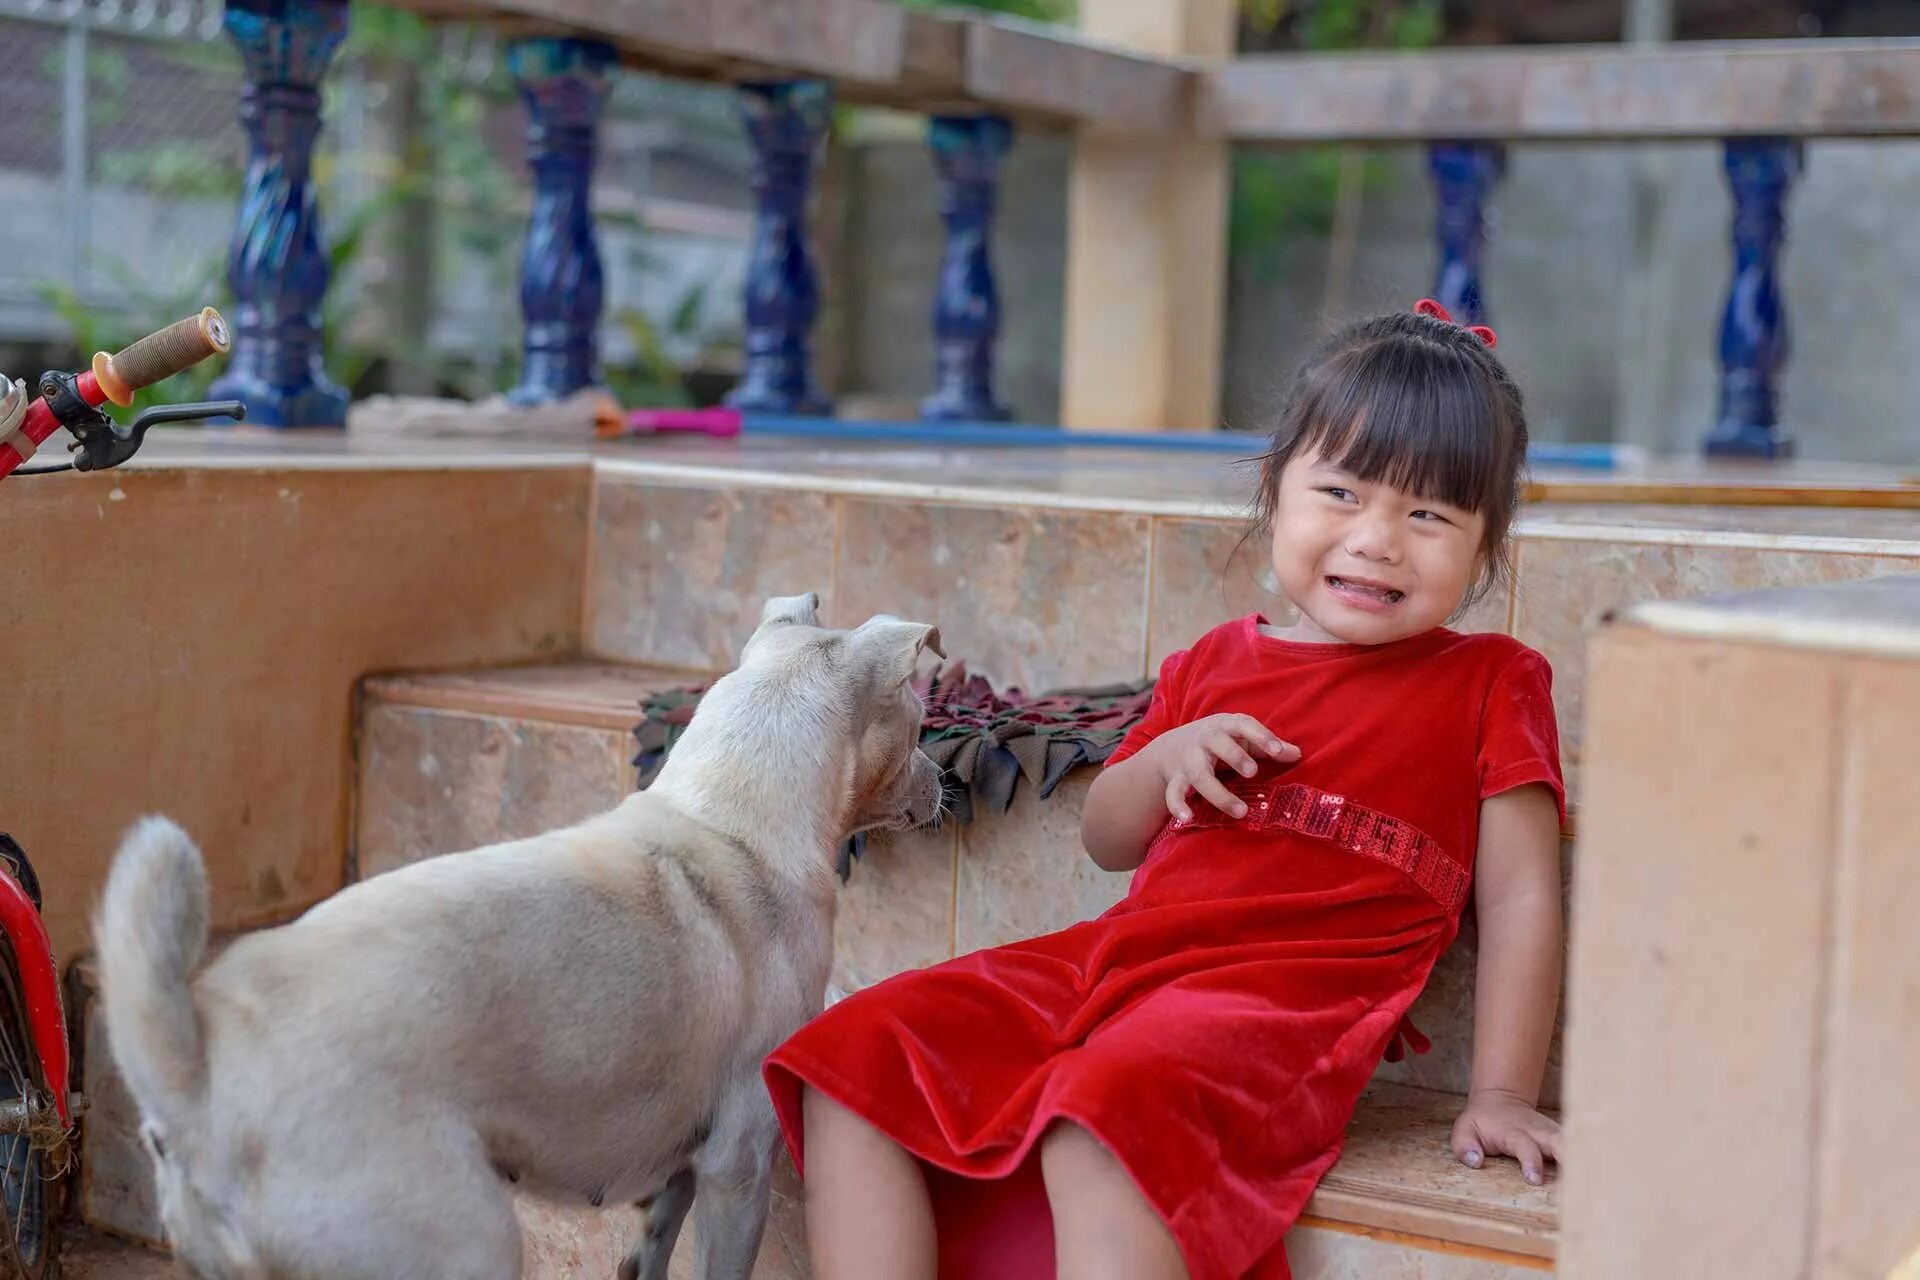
[[987, 741]]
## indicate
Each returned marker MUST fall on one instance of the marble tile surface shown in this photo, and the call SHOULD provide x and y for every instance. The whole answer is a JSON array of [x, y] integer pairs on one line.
[[1567, 587], [678, 576], [895, 911], [436, 782], [1024, 873], [1204, 573], [1030, 598]]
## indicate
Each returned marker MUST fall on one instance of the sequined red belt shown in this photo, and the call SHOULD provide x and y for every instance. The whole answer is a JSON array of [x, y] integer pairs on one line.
[[1276, 805]]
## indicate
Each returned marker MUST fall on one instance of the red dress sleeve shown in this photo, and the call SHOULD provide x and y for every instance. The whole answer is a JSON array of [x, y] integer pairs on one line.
[[1519, 737], [1163, 713]]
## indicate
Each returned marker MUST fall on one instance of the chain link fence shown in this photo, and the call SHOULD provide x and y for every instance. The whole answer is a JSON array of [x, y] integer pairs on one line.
[[122, 159]]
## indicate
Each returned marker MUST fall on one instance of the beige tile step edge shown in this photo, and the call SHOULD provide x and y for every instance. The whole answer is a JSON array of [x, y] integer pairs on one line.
[[586, 694], [1397, 1175], [91, 1255], [1395, 1181]]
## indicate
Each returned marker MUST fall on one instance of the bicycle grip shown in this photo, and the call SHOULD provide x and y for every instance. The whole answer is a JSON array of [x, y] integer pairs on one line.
[[158, 356]]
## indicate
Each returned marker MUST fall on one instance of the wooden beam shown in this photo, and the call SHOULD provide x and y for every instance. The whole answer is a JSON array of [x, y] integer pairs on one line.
[[853, 40], [874, 52], [1806, 88], [1050, 73]]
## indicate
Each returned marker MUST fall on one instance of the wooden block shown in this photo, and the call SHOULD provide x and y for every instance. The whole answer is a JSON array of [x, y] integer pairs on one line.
[[199, 634], [1146, 242], [862, 40], [1824, 88], [1050, 73], [1867, 1217], [1397, 1173], [1698, 959], [679, 27]]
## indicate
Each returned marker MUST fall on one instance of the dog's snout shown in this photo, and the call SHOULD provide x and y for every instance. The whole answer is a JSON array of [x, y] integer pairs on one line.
[[928, 790]]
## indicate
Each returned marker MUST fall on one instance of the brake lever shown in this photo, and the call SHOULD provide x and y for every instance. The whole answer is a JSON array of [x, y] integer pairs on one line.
[[105, 443]]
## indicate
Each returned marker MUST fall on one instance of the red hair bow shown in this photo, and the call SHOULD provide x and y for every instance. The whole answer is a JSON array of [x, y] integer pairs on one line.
[[1428, 307]]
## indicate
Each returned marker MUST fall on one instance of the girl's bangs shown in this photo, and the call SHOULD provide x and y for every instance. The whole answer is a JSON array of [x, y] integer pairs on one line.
[[1388, 415]]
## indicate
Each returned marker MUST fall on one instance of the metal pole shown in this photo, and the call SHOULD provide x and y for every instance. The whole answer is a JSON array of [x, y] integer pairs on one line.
[[73, 140]]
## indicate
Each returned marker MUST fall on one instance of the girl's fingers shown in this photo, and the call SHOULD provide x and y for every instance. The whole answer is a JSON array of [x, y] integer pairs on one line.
[[1549, 1140], [1223, 748], [1523, 1148], [1467, 1144], [1177, 788], [1261, 738], [1218, 796]]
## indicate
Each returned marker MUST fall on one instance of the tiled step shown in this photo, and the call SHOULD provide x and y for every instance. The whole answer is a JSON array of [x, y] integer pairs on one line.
[[492, 755], [451, 761], [91, 1255], [922, 898], [1047, 570], [1397, 1203]]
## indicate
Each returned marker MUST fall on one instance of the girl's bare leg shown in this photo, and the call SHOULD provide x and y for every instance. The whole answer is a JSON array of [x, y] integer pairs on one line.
[[1103, 1228], [868, 1212]]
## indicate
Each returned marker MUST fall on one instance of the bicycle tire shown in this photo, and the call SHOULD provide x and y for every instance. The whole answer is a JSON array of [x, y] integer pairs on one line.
[[30, 1188]]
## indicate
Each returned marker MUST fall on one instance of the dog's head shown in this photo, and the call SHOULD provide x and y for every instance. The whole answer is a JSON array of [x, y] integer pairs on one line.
[[838, 709]]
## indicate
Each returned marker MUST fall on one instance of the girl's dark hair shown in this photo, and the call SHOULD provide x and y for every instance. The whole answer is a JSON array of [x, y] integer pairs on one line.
[[1418, 403]]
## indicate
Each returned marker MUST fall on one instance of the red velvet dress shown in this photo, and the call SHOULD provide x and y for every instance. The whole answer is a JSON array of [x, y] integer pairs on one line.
[[1215, 1029]]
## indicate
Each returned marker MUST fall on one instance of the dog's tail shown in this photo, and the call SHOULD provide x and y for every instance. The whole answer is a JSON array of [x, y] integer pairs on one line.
[[151, 931]]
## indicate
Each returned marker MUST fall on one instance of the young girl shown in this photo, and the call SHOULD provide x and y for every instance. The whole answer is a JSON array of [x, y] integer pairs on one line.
[[1156, 1092]]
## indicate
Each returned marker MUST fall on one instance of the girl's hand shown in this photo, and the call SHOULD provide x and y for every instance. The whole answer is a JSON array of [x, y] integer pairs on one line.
[[1188, 758], [1496, 1124]]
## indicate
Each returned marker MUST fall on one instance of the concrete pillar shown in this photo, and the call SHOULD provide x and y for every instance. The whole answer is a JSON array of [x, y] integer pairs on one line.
[[1147, 245]]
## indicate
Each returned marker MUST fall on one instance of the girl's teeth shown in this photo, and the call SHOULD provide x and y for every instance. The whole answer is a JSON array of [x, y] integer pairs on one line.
[[1389, 596]]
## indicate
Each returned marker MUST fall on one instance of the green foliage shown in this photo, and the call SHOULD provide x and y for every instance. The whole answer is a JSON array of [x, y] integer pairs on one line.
[[1282, 194], [477, 210], [98, 329], [1036, 10]]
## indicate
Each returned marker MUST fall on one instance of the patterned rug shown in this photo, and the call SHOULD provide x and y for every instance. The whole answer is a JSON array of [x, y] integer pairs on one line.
[[987, 741]]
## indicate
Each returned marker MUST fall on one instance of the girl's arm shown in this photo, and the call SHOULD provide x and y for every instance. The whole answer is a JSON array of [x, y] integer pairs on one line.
[[1124, 810], [1517, 888], [1130, 801]]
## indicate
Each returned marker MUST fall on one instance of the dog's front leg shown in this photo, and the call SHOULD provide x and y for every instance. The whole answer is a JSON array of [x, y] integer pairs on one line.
[[730, 1213]]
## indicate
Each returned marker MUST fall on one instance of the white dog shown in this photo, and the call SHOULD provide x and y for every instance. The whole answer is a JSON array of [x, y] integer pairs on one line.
[[585, 1012]]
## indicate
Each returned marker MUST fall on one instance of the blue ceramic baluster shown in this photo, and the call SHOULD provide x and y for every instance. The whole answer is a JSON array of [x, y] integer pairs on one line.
[[786, 122], [276, 266], [563, 81], [1753, 331], [1464, 174], [966, 304]]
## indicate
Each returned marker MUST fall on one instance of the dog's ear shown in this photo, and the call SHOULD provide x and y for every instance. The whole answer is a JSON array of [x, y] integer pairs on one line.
[[781, 610], [892, 648]]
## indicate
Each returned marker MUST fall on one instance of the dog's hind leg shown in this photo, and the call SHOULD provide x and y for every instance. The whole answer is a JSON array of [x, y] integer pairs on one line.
[[730, 1213], [664, 1213]]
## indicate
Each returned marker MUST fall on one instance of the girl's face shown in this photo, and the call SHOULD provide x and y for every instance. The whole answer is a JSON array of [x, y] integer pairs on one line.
[[1364, 562]]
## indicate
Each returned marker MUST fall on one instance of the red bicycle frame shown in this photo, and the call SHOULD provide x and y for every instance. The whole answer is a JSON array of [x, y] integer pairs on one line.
[[40, 988]]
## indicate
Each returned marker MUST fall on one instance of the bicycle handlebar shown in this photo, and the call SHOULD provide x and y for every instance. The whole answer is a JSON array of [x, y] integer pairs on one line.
[[157, 356], [160, 355]]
